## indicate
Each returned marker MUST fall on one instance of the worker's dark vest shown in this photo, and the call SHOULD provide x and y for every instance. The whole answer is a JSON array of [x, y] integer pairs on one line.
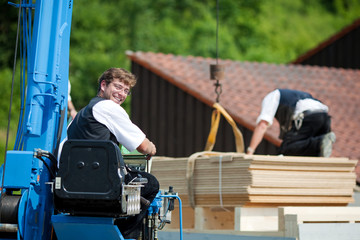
[[285, 111], [84, 125]]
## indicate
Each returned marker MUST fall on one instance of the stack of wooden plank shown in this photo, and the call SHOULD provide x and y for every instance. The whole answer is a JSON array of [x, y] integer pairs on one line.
[[236, 179]]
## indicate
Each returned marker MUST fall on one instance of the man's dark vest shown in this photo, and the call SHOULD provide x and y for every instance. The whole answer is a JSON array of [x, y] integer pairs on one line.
[[84, 125], [287, 104]]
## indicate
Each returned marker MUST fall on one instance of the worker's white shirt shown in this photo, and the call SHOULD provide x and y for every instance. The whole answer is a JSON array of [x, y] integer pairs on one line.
[[271, 102], [115, 118], [69, 90]]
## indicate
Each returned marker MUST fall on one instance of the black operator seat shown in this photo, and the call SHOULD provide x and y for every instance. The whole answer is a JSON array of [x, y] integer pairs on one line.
[[91, 181]]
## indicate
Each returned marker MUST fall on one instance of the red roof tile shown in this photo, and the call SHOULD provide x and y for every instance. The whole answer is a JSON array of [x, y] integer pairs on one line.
[[246, 83]]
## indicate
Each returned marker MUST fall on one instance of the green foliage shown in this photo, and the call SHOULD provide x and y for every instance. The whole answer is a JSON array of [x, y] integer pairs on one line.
[[253, 30], [5, 93], [286, 36], [8, 25]]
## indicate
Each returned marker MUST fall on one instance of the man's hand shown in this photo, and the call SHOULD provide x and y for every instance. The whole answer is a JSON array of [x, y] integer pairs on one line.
[[147, 147], [250, 151]]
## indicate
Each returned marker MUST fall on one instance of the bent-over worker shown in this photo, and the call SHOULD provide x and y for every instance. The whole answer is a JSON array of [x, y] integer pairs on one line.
[[304, 123]]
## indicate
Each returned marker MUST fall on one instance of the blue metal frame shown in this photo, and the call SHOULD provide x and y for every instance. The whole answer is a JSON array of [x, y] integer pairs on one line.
[[13, 178], [180, 212], [94, 228], [90, 228], [45, 54]]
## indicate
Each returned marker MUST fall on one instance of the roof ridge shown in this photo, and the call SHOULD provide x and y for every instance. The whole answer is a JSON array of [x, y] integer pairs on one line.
[[345, 30]]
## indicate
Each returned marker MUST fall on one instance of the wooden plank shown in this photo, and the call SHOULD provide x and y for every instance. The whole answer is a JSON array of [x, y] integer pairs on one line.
[[302, 174], [289, 218], [329, 231], [297, 199], [206, 219], [256, 219], [188, 218], [301, 192], [261, 180], [322, 214]]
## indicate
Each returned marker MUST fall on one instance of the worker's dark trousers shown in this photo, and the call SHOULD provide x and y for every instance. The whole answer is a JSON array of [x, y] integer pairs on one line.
[[131, 226], [307, 140]]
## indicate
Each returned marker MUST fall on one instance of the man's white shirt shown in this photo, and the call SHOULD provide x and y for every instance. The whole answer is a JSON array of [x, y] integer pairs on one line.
[[115, 118]]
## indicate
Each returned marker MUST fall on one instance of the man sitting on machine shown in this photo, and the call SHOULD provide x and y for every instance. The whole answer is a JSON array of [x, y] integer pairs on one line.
[[104, 119]]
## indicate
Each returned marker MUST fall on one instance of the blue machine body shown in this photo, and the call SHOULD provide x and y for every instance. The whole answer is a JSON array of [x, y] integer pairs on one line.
[[90, 228], [46, 52], [45, 33]]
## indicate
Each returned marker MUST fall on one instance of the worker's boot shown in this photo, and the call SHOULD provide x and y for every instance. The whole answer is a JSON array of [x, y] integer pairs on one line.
[[326, 144]]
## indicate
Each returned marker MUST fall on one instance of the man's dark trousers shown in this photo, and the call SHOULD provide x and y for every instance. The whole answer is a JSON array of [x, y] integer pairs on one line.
[[307, 140]]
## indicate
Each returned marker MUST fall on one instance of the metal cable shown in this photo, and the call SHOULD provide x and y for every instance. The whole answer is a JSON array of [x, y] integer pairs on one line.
[[11, 94], [218, 87], [217, 30]]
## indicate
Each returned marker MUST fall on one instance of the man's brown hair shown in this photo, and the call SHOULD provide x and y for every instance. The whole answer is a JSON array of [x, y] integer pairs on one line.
[[118, 73]]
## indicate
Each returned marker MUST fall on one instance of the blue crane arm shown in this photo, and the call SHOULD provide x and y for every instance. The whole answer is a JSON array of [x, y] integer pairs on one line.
[[45, 43], [47, 75]]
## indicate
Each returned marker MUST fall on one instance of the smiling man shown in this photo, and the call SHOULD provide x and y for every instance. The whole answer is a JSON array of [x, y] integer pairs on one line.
[[104, 119]]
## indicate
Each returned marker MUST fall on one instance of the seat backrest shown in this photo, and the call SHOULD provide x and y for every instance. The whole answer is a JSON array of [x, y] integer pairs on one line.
[[89, 169], [91, 172]]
